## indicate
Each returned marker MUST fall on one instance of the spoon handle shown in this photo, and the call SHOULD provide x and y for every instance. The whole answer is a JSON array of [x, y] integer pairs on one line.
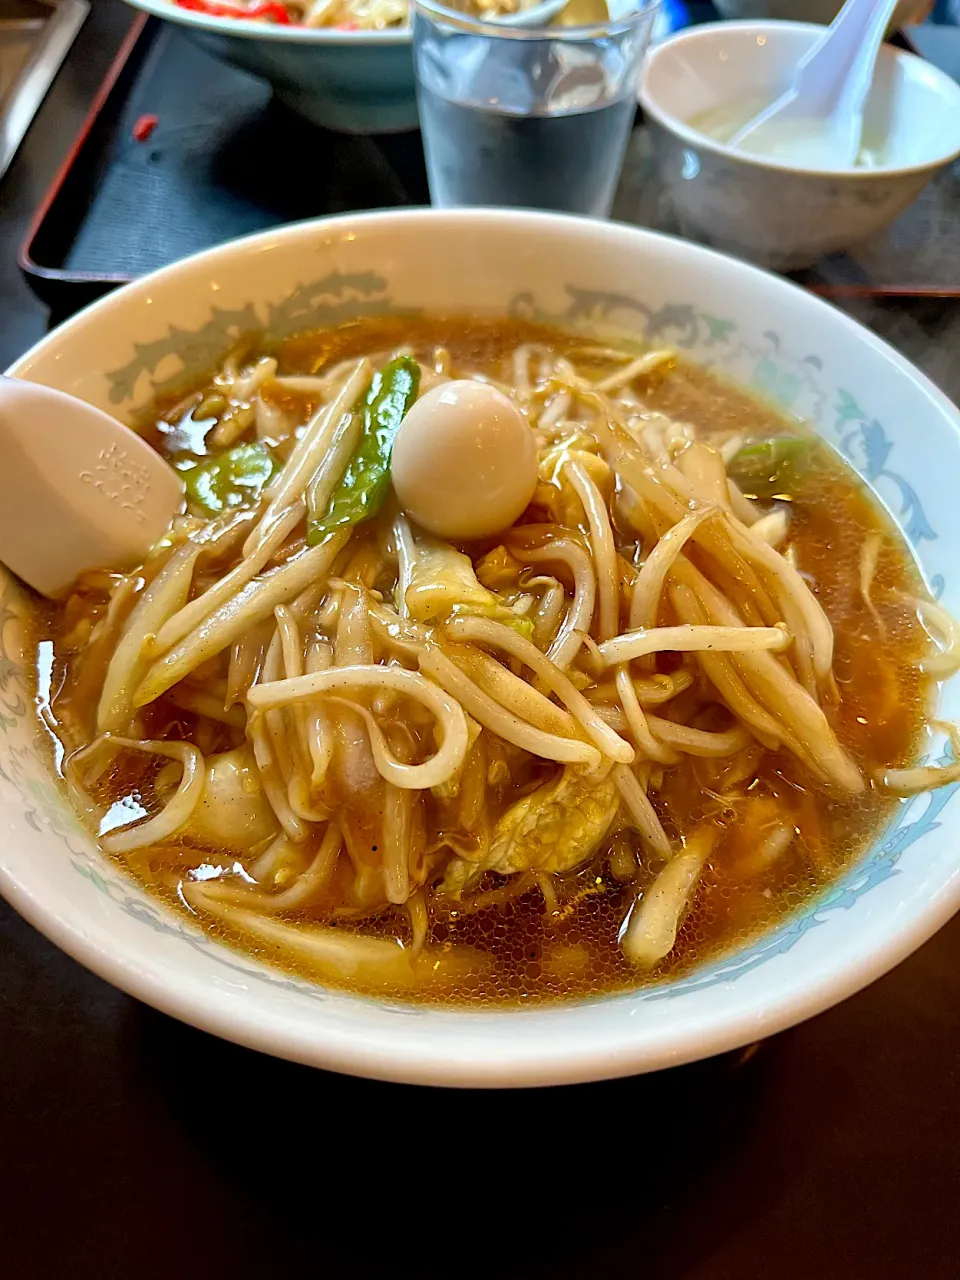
[[831, 83], [839, 68]]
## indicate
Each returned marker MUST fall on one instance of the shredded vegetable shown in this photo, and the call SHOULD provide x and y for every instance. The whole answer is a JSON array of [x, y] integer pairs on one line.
[[364, 484]]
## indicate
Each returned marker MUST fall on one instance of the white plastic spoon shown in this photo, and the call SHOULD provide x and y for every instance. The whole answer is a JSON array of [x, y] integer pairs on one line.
[[80, 490], [818, 122]]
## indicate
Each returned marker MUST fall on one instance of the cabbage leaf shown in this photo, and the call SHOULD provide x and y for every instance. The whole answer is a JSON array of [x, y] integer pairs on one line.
[[233, 811], [443, 585], [554, 829]]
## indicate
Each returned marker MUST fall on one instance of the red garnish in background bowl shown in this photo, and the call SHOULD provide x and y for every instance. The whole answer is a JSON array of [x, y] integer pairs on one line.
[[144, 127], [269, 10]]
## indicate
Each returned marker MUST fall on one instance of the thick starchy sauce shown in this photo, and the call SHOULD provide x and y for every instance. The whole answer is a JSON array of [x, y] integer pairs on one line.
[[525, 954]]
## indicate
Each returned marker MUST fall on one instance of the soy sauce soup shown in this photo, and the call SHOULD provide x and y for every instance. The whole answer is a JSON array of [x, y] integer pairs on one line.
[[778, 826]]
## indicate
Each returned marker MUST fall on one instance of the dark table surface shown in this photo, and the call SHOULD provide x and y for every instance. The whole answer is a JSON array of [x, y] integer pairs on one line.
[[131, 1146]]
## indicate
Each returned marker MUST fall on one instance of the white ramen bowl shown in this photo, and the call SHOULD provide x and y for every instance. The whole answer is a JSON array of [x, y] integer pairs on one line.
[[352, 81], [768, 210], [879, 412]]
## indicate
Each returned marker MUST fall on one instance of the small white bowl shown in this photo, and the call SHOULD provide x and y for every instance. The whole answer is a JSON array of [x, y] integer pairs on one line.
[[899, 432], [774, 213], [352, 81]]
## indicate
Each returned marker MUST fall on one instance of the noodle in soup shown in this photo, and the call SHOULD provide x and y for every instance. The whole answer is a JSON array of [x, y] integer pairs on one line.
[[662, 709]]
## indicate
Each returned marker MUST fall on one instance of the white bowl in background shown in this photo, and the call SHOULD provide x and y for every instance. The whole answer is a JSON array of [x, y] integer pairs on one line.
[[352, 81], [899, 432], [774, 213]]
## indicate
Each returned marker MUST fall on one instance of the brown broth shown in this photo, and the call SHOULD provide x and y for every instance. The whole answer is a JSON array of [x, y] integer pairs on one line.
[[524, 954]]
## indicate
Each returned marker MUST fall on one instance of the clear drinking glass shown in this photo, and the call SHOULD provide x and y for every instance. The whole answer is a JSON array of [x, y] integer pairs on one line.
[[535, 118]]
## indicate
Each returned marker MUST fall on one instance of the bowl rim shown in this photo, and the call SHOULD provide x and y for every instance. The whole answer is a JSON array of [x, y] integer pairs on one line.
[[421, 1059], [247, 29], [938, 79]]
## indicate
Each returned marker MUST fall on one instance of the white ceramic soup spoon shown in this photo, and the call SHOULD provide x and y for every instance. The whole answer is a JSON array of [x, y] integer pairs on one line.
[[81, 490], [818, 122]]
